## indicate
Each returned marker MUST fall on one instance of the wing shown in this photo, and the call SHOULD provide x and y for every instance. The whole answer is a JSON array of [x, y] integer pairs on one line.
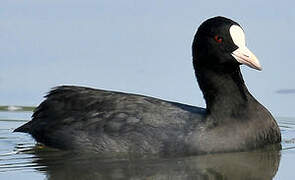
[[68, 109], [80, 117]]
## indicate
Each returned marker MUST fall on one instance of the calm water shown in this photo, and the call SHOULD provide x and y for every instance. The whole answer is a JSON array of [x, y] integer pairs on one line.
[[20, 158], [142, 47]]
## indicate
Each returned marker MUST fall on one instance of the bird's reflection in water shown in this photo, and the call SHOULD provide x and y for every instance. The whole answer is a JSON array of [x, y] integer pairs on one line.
[[261, 164]]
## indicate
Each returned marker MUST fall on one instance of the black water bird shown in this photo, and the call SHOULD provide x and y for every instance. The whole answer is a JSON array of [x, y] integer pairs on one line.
[[89, 120]]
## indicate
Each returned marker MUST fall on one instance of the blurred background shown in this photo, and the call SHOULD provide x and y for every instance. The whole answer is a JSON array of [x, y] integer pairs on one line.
[[141, 47]]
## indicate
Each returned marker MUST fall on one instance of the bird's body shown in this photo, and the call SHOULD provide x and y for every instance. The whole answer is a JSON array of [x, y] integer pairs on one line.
[[104, 121], [89, 120]]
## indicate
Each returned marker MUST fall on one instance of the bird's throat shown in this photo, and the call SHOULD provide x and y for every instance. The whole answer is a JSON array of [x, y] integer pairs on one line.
[[225, 93]]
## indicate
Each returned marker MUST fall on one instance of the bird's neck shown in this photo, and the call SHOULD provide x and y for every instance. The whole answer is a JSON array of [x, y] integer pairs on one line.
[[224, 91]]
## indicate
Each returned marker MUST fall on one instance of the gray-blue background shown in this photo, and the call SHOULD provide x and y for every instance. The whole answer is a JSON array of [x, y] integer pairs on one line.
[[137, 46]]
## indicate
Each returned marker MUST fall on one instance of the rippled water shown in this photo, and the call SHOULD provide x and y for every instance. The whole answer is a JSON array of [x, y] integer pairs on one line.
[[20, 158]]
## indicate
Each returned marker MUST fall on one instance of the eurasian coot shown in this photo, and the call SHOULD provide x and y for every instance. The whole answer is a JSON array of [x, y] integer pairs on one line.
[[89, 120]]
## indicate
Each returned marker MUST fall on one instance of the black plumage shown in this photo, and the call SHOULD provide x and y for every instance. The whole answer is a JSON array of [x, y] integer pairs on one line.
[[90, 120]]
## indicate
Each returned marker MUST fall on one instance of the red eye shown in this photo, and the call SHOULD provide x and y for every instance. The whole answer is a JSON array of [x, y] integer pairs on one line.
[[218, 39]]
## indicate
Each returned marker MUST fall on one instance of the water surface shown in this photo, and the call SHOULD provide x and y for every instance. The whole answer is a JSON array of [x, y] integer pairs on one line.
[[21, 158]]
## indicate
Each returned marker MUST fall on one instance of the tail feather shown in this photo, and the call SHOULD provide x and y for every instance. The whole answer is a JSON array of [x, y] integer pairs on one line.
[[24, 128]]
